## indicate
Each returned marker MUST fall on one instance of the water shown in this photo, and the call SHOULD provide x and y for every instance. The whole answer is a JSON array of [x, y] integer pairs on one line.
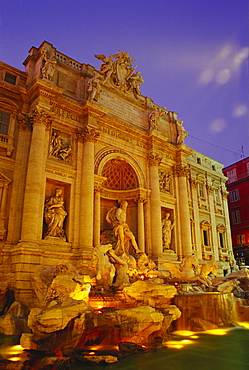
[[216, 352], [222, 350]]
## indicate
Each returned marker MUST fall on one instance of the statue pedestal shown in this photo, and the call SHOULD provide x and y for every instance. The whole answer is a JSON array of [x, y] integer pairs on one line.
[[169, 255]]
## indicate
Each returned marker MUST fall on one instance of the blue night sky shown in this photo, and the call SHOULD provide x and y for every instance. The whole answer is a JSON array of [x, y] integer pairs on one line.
[[192, 54]]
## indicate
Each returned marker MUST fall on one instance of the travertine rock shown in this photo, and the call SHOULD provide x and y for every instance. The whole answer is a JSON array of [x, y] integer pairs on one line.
[[14, 321], [55, 318], [150, 292]]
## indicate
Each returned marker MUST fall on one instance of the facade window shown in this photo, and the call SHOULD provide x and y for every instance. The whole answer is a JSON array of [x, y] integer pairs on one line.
[[217, 195], [11, 79], [4, 122], [234, 195], [232, 175], [241, 239], [205, 237], [199, 160], [236, 217], [201, 190], [221, 237], [213, 167]]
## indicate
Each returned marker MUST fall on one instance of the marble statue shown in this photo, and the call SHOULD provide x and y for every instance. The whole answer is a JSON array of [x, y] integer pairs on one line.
[[154, 117], [59, 148], [54, 215], [49, 66], [118, 69], [167, 227], [181, 132], [94, 87], [122, 267], [208, 268], [187, 272], [105, 270], [164, 181], [124, 236]]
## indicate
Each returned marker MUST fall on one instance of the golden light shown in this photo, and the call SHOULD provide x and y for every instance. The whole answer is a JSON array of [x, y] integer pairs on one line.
[[174, 344], [216, 331], [194, 336], [14, 359], [186, 341], [244, 324], [91, 353], [184, 333]]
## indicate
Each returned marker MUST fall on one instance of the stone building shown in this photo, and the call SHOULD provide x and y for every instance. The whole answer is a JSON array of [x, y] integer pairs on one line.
[[84, 140], [238, 205]]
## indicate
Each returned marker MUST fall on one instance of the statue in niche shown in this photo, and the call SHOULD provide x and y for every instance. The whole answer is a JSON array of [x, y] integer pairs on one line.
[[54, 215], [167, 227], [59, 148], [154, 117], [49, 65], [94, 87], [117, 218], [181, 132]]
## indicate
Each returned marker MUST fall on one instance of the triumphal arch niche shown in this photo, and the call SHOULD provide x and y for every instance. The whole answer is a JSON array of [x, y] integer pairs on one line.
[[80, 143]]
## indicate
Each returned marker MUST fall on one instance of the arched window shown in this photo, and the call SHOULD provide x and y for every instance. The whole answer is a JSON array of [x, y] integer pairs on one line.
[[120, 175]]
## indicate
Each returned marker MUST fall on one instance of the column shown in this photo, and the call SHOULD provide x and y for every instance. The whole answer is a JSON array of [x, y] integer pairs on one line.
[[88, 136], [140, 213], [198, 240], [182, 172], [96, 230], [155, 206], [215, 243], [98, 186], [32, 211], [19, 178]]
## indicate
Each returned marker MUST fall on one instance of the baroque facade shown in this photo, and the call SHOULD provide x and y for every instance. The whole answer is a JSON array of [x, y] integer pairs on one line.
[[75, 142]]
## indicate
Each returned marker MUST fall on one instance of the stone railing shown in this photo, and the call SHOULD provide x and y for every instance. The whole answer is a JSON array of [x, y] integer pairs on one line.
[[4, 138], [68, 61]]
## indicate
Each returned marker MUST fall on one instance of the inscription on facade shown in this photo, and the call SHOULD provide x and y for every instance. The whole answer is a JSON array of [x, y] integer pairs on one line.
[[59, 173], [121, 109], [64, 113], [123, 137]]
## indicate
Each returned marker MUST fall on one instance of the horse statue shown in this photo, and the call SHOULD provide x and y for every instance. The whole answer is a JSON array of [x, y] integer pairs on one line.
[[187, 272]]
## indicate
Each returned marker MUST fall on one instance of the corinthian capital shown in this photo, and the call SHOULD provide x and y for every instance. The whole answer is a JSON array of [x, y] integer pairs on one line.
[[40, 116], [87, 134], [154, 159], [182, 170], [24, 122]]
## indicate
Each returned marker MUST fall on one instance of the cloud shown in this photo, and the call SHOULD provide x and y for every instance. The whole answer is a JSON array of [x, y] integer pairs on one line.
[[223, 76], [218, 125], [240, 111], [223, 67]]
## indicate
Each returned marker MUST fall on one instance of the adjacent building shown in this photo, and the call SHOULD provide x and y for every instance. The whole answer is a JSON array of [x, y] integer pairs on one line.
[[74, 143], [238, 203]]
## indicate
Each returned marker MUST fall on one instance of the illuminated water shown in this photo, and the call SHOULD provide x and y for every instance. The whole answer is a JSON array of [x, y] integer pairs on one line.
[[219, 350], [207, 352]]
